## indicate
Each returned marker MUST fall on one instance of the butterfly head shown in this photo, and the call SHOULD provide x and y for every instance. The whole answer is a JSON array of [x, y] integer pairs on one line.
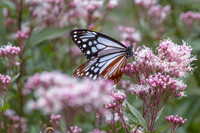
[[129, 51]]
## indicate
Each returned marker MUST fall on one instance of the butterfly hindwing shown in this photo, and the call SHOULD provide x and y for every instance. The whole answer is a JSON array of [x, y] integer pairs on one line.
[[94, 44], [108, 67]]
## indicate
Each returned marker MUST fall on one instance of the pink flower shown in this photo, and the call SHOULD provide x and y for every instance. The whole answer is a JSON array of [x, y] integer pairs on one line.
[[55, 121], [129, 34], [48, 12], [112, 4], [97, 131], [156, 77], [22, 35], [67, 92], [16, 122], [175, 122], [4, 82], [159, 13], [172, 59], [9, 51], [74, 129], [75, 51], [189, 17], [145, 3]]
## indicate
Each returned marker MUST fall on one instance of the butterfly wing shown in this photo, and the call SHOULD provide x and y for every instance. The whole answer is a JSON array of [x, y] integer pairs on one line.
[[108, 67], [94, 44]]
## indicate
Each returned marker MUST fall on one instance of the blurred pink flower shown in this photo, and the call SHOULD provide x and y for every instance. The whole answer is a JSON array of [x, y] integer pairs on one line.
[[112, 4], [74, 129], [4, 82], [145, 3], [97, 131], [15, 122], [130, 34], [55, 121], [75, 51], [67, 92], [189, 17], [22, 35], [159, 13], [48, 12]]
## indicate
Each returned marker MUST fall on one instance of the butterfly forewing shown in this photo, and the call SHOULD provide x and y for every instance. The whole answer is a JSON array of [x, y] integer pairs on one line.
[[94, 44]]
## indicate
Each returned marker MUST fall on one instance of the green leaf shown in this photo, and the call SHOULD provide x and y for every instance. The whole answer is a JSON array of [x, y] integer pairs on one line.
[[134, 125], [131, 118], [7, 3], [158, 115], [163, 128], [47, 34], [138, 115], [15, 77], [6, 106], [195, 43]]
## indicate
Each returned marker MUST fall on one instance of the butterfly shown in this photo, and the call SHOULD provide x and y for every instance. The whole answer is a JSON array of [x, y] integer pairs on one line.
[[106, 56]]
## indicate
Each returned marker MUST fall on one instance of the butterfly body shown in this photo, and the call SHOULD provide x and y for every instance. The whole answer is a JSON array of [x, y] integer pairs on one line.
[[105, 55]]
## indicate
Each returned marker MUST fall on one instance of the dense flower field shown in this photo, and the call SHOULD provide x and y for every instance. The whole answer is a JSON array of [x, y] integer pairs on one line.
[[159, 88]]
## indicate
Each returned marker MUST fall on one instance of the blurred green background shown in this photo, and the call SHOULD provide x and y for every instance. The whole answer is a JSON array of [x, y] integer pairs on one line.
[[49, 49]]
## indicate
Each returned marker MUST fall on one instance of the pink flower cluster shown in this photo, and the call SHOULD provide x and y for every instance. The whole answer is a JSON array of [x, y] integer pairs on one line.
[[4, 81], [130, 34], [15, 122], [48, 12], [66, 92], [74, 129], [116, 105], [112, 4], [159, 85], [175, 122], [75, 51], [189, 17], [172, 59], [9, 51], [156, 78], [55, 121], [159, 13], [89, 11], [117, 98], [145, 3], [8, 19], [22, 35], [97, 131]]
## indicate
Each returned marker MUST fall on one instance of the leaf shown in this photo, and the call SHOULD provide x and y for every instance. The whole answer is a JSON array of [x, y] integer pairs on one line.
[[134, 126], [163, 128], [7, 3], [158, 115], [47, 34], [6, 106], [131, 118], [138, 115], [15, 77], [195, 44]]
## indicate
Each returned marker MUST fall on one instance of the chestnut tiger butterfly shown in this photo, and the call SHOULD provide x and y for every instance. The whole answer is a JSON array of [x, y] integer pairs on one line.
[[106, 56]]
